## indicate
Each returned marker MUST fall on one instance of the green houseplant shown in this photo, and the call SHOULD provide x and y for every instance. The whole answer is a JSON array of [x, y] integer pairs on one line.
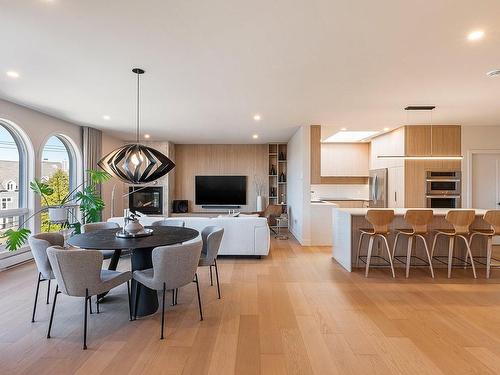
[[56, 203]]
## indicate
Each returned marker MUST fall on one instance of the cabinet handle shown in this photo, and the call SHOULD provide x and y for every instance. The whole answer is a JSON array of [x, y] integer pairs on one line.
[[395, 196]]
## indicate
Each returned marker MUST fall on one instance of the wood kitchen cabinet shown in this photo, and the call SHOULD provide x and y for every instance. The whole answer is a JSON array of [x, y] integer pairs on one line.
[[438, 140]]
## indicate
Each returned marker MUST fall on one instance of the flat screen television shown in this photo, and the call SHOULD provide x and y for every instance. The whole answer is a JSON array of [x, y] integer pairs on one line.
[[220, 190]]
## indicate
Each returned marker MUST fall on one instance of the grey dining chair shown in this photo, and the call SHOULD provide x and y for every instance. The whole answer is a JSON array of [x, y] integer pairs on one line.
[[212, 238], [90, 227], [79, 273], [39, 243], [173, 267], [168, 223]]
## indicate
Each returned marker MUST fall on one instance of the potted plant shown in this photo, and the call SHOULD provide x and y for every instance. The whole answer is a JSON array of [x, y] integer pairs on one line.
[[57, 204]]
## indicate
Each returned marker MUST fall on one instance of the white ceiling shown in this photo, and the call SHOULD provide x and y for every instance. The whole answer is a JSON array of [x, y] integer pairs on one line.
[[211, 65]]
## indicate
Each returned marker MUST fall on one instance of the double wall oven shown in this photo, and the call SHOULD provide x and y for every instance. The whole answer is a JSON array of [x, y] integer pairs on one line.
[[444, 189]]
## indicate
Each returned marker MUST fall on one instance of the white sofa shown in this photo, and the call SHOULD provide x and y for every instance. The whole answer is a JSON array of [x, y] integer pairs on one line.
[[248, 236]]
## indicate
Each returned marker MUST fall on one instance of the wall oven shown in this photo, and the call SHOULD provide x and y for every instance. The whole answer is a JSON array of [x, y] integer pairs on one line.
[[444, 189]]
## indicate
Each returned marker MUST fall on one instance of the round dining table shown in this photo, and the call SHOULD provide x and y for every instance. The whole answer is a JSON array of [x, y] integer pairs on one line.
[[141, 258]]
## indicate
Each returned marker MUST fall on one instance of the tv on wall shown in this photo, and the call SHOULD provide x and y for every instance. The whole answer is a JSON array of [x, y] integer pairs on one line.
[[220, 190]]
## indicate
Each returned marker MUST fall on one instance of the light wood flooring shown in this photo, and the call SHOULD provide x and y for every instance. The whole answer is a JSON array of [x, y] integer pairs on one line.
[[294, 312]]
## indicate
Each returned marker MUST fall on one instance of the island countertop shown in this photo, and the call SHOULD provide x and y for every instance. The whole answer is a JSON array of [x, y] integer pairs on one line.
[[402, 211], [346, 223]]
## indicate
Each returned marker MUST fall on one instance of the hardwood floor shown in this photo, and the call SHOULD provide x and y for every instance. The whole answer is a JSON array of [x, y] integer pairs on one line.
[[294, 312]]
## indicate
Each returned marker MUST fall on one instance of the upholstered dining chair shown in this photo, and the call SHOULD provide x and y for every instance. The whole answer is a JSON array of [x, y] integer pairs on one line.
[[168, 223], [79, 273], [39, 243], [271, 212], [212, 238], [90, 227], [173, 267]]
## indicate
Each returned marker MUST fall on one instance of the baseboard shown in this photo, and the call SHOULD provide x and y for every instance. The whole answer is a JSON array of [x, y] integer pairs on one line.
[[15, 259], [302, 241]]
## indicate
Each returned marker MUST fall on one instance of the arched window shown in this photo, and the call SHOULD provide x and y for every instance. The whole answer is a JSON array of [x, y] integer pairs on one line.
[[58, 171], [13, 178]]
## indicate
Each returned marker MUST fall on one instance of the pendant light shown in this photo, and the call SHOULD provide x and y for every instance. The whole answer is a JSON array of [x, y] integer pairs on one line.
[[429, 108], [136, 163]]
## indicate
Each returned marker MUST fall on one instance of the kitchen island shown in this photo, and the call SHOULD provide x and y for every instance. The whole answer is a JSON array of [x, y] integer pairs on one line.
[[346, 223]]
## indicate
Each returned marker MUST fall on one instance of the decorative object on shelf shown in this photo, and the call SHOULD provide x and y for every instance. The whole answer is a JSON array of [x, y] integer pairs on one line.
[[273, 170], [259, 188], [89, 202], [282, 177], [273, 192], [136, 163], [282, 156], [283, 200]]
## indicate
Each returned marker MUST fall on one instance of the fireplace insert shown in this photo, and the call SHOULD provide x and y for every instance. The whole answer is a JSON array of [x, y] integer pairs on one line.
[[147, 200]]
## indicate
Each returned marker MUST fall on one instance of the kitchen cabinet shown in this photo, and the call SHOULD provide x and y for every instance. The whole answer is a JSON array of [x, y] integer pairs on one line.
[[395, 187], [344, 159]]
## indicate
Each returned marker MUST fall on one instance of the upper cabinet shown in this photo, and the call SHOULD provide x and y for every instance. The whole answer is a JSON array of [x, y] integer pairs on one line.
[[436, 140], [388, 144], [344, 159]]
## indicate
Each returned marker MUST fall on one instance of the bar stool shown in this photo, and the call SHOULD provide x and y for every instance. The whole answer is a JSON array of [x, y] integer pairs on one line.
[[419, 221], [461, 221], [380, 220], [492, 217]]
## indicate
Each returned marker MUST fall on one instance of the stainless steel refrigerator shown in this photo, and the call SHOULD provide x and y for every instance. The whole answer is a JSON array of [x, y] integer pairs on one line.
[[378, 188]]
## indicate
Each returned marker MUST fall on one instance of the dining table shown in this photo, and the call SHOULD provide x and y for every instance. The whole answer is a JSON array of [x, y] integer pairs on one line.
[[141, 253]]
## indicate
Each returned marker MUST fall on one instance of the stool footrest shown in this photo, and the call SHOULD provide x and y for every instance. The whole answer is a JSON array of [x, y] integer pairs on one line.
[[425, 263]]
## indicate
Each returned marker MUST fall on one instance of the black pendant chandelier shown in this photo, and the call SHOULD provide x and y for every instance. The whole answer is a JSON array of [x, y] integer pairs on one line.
[[136, 163]]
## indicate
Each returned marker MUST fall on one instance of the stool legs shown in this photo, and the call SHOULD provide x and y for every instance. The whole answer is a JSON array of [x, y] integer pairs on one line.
[[359, 248], [470, 254], [427, 252], [369, 255], [408, 255], [389, 254], [451, 246], [488, 256]]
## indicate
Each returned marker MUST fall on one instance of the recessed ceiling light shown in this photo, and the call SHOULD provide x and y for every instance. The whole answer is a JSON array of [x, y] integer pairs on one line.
[[256, 117], [12, 74], [255, 136], [475, 35], [350, 136], [106, 117], [387, 129], [147, 136], [343, 129], [493, 73]]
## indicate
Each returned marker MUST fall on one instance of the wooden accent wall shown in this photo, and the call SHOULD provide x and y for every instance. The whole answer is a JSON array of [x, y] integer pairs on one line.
[[446, 141], [316, 177], [243, 160]]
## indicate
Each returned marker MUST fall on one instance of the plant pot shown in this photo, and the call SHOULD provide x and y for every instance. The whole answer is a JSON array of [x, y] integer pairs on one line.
[[260, 203], [58, 214]]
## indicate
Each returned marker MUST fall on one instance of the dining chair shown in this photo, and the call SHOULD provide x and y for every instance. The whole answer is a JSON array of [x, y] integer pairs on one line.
[[461, 221], [91, 227], [173, 267], [419, 221], [168, 223], [492, 217], [212, 238], [79, 273], [380, 220], [39, 243]]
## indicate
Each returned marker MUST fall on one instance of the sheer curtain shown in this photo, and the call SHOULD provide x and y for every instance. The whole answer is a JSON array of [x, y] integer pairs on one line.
[[92, 150]]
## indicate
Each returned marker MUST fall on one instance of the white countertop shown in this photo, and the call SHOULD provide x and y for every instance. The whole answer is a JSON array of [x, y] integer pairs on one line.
[[402, 211]]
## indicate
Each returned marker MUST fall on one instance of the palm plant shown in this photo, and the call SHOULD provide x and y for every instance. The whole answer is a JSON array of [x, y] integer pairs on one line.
[[91, 205]]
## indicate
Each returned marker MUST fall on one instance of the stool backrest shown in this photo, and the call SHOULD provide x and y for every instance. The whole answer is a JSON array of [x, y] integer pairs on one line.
[[492, 217], [380, 219], [419, 219], [461, 220]]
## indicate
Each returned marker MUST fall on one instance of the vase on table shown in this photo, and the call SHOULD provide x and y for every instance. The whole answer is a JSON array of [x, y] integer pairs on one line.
[[260, 202]]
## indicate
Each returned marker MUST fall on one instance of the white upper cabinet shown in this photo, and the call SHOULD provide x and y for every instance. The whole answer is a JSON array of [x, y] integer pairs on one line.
[[344, 159], [393, 144]]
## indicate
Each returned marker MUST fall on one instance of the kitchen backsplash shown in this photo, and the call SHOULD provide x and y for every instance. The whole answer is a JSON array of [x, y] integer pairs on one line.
[[339, 191]]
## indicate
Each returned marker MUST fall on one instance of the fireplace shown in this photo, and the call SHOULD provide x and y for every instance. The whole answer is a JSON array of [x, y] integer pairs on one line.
[[146, 200]]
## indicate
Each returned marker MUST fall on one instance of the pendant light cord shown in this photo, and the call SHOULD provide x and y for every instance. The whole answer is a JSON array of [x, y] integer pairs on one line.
[[138, 103]]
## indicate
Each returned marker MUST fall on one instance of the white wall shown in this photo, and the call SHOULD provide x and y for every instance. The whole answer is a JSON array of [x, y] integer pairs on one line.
[[299, 185], [476, 138], [109, 144]]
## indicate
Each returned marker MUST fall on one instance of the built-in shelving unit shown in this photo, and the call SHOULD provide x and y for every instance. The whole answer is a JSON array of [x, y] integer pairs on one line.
[[277, 155]]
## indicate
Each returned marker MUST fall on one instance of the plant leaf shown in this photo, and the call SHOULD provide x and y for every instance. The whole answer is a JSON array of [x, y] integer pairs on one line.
[[16, 238], [41, 188], [98, 177]]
